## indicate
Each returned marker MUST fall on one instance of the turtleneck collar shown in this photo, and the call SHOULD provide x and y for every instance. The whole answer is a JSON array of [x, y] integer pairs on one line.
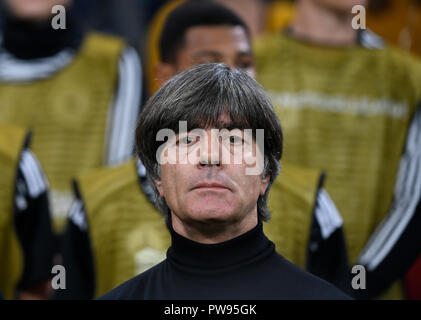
[[26, 40], [195, 257]]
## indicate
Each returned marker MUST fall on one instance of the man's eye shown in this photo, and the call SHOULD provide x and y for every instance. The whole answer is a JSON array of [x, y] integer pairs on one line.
[[244, 65], [209, 60], [235, 140], [186, 140]]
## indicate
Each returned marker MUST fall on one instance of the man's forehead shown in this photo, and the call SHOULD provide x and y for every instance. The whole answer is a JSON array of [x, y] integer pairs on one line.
[[224, 121], [224, 118], [212, 36]]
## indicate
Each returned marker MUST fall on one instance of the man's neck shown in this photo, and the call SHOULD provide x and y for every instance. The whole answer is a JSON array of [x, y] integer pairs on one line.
[[319, 24], [211, 233]]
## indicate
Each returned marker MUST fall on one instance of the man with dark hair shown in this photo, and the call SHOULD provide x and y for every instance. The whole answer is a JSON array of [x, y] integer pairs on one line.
[[197, 32], [180, 20], [219, 250], [120, 202]]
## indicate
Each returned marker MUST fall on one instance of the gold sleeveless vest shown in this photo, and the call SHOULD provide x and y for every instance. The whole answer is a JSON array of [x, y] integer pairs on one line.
[[347, 112], [128, 235], [291, 202], [67, 114], [12, 141]]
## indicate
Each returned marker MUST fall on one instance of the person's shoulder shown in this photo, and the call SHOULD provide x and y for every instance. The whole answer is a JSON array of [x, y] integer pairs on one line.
[[99, 178], [135, 288], [102, 188], [267, 47], [100, 50], [398, 56], [106, 181], [104, 41], [302, 285], [389, 54], [129, 290], [406, 70]]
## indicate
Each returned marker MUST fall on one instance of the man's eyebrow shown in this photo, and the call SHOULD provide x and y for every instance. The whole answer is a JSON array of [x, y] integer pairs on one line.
[[247, 54]]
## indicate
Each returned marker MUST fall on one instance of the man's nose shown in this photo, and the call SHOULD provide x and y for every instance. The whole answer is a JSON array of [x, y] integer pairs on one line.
[[210, 151]]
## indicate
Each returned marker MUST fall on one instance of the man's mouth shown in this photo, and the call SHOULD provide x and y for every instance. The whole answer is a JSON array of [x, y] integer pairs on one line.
[[210, 186]]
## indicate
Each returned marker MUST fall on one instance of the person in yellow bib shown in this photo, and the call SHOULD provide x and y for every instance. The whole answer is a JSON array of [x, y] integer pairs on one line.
[[114, 230], [79, 92], [350, 105], [27, 243]]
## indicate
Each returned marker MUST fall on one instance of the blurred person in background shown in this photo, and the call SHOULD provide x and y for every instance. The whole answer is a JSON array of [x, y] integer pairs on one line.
[[399, 22], [79, 92], [263, 16], [260, 16], [350, 105], [27, 243], [129, 21], [114, 232]]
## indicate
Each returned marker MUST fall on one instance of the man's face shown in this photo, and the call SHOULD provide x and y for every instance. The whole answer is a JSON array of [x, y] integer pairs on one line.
[[225, 44], [212, 189], [33, 10]]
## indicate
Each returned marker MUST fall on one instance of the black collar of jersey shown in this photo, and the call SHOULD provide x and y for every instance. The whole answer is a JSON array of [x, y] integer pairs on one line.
[[193, 257], [26, 40]]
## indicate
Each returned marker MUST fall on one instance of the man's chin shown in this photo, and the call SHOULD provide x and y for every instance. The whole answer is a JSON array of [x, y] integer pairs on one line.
[[212, 225], [213, 216]]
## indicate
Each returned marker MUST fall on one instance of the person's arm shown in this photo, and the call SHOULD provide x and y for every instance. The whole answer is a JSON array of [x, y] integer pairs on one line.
[[77, 255], [327, 252], [396, 243], [33, 227], [125, 109]]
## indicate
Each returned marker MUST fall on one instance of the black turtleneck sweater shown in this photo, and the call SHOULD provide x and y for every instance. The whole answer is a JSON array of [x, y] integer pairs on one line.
[[246, 267]]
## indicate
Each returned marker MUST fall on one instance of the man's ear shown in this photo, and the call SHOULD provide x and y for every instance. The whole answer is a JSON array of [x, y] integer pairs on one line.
[[164, 72], [264, 185], [158, 184]]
